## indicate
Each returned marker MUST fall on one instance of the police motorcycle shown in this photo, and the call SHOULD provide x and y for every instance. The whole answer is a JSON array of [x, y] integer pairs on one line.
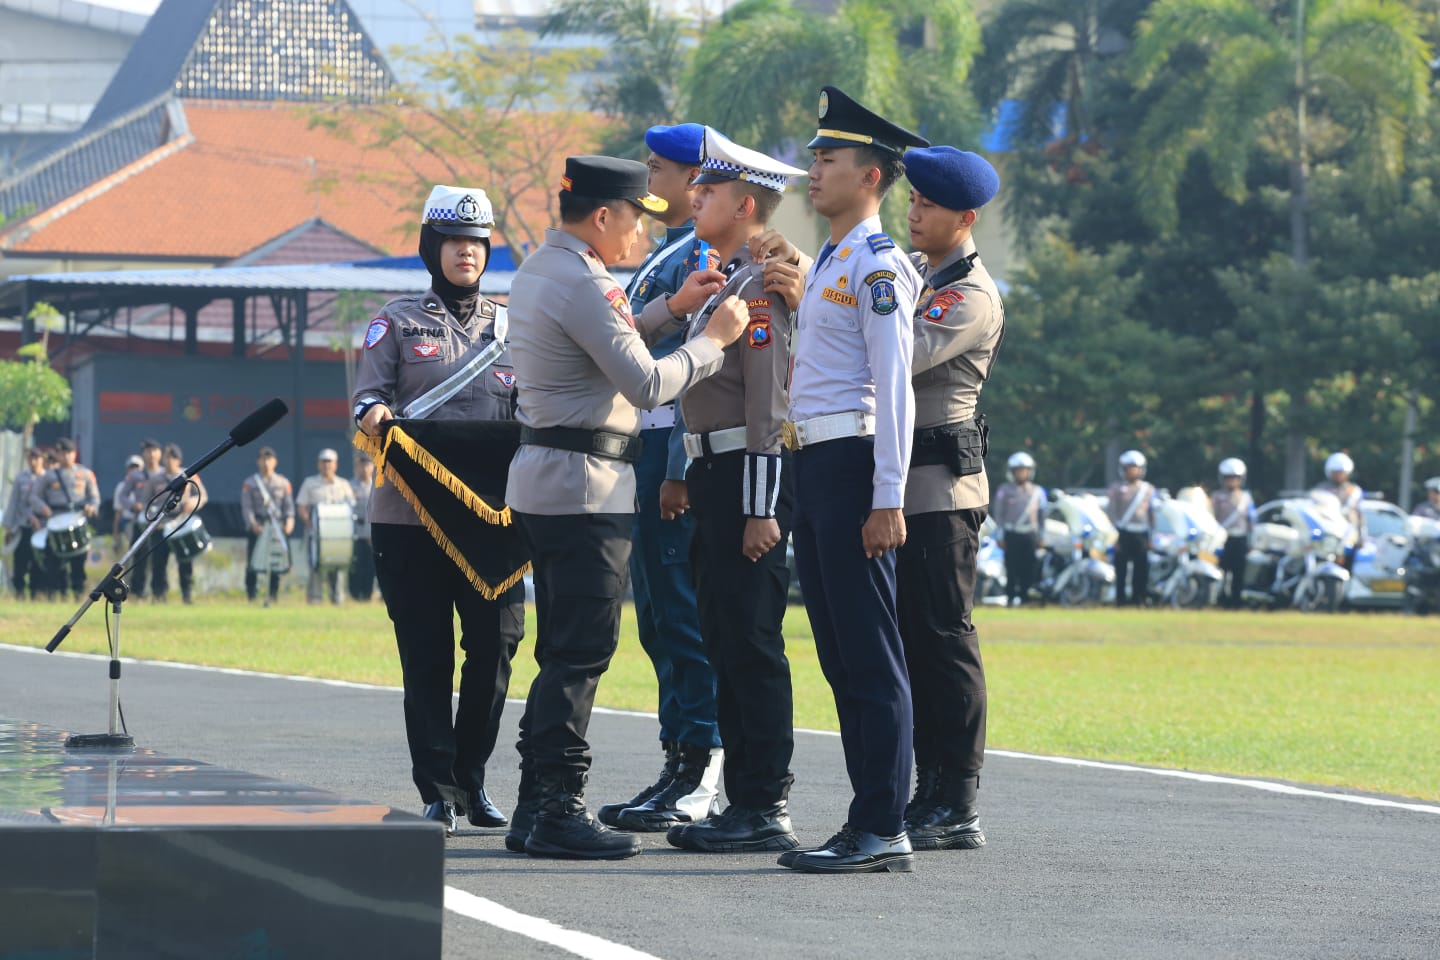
[[1075, 568], [1378, 574], [1184, 549], [990, 566], [1295, 551], [1422, 566]]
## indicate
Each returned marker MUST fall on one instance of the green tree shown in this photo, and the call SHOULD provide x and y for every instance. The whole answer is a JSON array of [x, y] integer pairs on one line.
[[30, 391]]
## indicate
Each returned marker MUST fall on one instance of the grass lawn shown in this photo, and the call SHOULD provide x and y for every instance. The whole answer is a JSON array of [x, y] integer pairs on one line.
[[1349, 701]]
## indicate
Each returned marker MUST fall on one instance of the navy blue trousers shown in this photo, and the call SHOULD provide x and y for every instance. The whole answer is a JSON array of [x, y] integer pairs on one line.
[[665, 611], [851, 603]]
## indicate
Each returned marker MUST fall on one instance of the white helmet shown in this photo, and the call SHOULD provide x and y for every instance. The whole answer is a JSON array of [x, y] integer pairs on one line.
[[1232, 467], [1020, 459], [1339, 462], [1132, 458], [1433, 483]]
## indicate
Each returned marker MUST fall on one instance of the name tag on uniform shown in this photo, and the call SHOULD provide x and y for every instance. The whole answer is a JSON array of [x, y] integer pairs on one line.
[[836, 296]]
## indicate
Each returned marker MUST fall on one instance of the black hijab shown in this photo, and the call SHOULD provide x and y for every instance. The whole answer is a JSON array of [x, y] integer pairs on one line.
[[460, 301]]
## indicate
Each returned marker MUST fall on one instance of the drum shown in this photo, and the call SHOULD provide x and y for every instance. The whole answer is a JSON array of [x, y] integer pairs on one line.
[[68, 535], [39, 551], [188, 538], [271, 553], [332, 537]]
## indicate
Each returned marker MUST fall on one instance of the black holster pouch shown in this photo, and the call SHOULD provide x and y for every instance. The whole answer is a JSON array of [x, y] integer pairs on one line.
[[960, 446]]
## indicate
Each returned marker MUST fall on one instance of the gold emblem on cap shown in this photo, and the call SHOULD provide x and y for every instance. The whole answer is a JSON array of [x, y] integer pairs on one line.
[[824, 103]]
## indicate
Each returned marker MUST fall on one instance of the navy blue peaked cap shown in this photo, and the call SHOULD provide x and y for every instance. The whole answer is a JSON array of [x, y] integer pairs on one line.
[[955, 179], [845, 123]]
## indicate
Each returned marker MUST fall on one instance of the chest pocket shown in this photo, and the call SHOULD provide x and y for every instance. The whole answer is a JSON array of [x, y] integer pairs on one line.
[[426, 350], [500, 379]]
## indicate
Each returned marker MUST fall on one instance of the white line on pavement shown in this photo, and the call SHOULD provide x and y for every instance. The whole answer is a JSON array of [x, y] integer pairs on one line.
[[538, 928]]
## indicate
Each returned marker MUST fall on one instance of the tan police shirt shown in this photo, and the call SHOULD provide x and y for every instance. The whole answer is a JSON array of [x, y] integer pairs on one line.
[[1121, 495], [64, 489], [252, 501], [412, 346], [958, 326], [1232, 510], [580, 362], [1019, 507]]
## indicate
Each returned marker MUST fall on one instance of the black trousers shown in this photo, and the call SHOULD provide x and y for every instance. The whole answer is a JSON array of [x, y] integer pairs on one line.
[[851, 602], [1021, 568], [26, 569], [360, 579], [1132, 551], [159, 569], [423, 591], [742, 605], [581, 563], [252, 576], [1232, 561], [148, 565], [935, 592]]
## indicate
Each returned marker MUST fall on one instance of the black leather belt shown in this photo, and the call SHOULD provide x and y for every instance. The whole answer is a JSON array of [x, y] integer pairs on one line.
[[960, 446], [599, 443]]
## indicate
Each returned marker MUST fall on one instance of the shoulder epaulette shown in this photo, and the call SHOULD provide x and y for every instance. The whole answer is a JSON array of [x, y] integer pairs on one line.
[[879, 243]]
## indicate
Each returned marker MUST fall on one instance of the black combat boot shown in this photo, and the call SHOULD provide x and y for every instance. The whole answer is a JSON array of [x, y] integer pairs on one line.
[[610, 811], [738, 830], [522, 819], [952, 822], [690, 796], [927, 792], [564, 828]]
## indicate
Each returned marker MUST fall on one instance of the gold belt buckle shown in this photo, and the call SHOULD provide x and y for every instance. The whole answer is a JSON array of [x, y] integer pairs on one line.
[[788, 436]]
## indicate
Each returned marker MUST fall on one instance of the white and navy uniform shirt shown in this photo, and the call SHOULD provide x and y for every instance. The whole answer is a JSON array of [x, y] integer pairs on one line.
[[853, 347]]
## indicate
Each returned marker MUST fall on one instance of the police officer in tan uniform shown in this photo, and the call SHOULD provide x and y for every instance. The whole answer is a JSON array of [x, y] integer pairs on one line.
[[742, 495], [1019, 510], [1429, 508], [582, 369], [140, 488], [417, 349], [26, 568], [360, 579], [193, 497], [266, 501], [1234, 508], [325, 487], [68, 487], [959, 323], [1129, 505]]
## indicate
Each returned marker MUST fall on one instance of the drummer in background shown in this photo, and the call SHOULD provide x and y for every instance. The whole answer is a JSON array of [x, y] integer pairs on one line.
[[142, 485], [362, 564], [18, 526], [191, 501], [124, 526], [69, 488], [322, 488], [264, 493]]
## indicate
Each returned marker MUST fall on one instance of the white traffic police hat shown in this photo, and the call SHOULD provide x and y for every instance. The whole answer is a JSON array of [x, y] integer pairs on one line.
[[459, 212], [726, 160]]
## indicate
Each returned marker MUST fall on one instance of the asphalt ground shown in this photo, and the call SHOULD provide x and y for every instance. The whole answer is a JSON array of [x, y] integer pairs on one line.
[[1082, 861]]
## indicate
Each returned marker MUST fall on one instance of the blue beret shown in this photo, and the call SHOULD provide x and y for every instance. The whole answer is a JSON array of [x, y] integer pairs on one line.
[[683, 143], [956, 179]]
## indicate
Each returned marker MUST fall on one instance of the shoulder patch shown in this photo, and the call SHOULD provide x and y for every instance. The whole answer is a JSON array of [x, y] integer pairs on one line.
[[378, 328], [487, 309], [879, 243], [879, 275], [592, 259], [943, 301], [757, 334], [759, 303], [506, 377], [882, 297], [620, 305]]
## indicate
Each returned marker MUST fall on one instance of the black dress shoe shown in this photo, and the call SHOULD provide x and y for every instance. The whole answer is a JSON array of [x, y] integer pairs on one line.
[[737, 830], [787, 859], [444, 812], [856, 851], [610, 812], [481, 812]]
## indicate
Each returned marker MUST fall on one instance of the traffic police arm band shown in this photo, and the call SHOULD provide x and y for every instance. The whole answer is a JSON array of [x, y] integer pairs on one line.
[[363, 407], [761, 485]]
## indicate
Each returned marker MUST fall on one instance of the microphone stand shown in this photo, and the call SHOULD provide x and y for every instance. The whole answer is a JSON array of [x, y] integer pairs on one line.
[[112, 587]]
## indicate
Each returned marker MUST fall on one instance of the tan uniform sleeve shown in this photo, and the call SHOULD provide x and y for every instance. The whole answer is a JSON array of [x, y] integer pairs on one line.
[[597, 317], [766, 361], [967, 316], [379, 365], [655, 322]]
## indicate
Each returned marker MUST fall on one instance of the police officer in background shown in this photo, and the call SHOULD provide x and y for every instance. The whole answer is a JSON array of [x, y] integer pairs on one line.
[[360, 579], [1234, 509], [1129, 508], [582, 370], [26, 571], [413, 350], [742, 492], [194, 497], [660, 573], [1019, 510], [852, 417], [959, 325], [1337, 483], [266, 500], [328, 488], [1429, 508], [140, 488], [123, 527], [68, 487]]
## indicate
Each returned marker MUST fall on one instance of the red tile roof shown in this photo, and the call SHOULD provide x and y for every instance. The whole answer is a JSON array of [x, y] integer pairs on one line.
[[249, 172]]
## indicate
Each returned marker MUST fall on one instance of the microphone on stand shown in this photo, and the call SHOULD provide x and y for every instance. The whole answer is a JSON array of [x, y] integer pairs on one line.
[[243, 432]]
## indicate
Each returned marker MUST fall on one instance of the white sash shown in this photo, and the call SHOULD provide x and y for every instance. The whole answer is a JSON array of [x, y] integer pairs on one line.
[[650, 267], [1235, 510], [1140, 496], [425, 404]]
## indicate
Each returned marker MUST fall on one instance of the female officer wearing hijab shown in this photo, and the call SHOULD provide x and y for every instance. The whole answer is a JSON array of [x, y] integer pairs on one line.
[[414, 345]]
